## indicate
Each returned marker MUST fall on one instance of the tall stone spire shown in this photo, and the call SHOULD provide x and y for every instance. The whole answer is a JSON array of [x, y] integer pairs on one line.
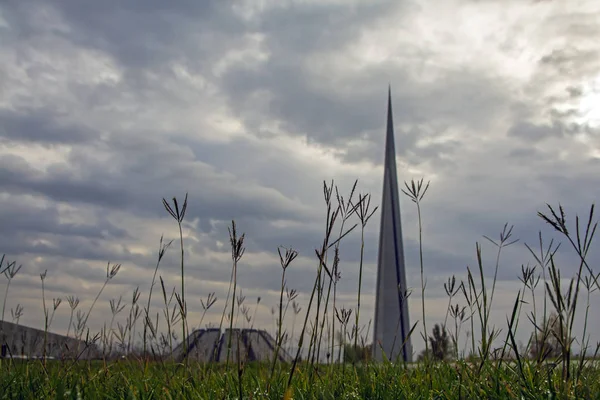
[[392, 323]]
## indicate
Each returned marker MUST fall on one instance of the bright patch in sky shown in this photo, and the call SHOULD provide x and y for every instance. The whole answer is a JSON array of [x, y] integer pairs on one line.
[[37, 156], [590, 104]]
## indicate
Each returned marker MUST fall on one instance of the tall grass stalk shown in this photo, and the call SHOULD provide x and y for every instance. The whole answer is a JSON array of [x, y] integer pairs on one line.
[[451, 291], [237, 251], [178, 215], [296, 310], [364, 213], [17, 313], [504, 242], [111, 272], [582, 247], [115, 308], [43, 278], [10, 271], [284, 261], [2, 262], [543, 261], [336, 278], [215, 346], [134, 314], [315, 339], [73, 303], [162, 249], [330, 221], [319, 282], [415, 192], [210, 301], [171, 317], [585, 340], [346, 211], [566, 306]]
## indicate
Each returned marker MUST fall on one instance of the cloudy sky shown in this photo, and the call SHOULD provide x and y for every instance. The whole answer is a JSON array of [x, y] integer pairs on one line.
[[107, 107]]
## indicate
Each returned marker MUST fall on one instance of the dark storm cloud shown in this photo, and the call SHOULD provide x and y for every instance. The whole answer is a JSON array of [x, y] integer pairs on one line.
[[41, 126], [327, 116], [18, 216], [122, 182], [19, 243], [139, 34], [370, 149], [62, 185], [150, 36], [239, 157], [79, 247], [331, 26]]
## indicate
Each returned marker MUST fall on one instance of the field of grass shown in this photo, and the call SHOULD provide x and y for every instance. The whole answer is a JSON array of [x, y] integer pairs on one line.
[[135, 380], [493, 365]]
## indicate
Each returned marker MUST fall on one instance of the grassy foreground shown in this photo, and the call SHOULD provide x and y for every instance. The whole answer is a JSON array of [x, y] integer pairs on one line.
[[132, 380], [136, 364]]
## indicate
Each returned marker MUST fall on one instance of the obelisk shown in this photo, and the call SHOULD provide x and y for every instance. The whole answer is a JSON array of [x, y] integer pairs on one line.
[[391, 303]]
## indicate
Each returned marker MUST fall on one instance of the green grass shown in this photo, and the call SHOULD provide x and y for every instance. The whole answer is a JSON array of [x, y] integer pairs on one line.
[[132, 380], [492, 365]]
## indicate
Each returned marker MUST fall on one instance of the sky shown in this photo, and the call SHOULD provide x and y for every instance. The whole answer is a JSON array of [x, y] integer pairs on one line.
[[108, 107]]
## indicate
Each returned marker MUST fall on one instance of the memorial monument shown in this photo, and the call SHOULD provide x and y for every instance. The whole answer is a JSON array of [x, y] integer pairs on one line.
[[392, 323]]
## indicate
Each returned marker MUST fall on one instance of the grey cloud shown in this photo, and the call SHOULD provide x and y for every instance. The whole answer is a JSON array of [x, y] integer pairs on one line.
[[569, 59], [139, 35], [534, 133], [239, 157], [122, 184], [524, 154], [565, 114], [331, 25], [66, 272], [407, 147], [41, 126], [574, 92], [304, 107], [19, 216], [41, 244], [577, 195], [567, 65], [329, 117], [18, 176]]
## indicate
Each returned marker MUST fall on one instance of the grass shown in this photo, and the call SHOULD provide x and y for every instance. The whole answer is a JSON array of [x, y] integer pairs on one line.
[[491, 365]]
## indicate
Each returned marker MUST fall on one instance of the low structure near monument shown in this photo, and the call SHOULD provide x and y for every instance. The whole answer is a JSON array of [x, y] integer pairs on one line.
[[208, 345], [18, 341]]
